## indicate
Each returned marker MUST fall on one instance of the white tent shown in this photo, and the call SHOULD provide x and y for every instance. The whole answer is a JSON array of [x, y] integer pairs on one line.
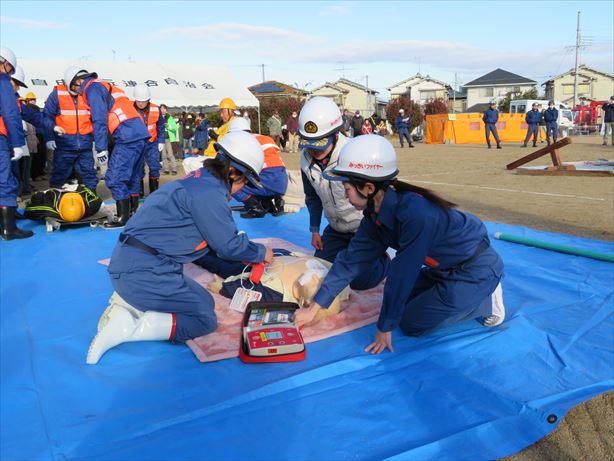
[[176, 85]]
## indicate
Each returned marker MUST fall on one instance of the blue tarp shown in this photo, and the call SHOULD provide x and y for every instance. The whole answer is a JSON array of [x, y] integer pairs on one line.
[[464, 392]]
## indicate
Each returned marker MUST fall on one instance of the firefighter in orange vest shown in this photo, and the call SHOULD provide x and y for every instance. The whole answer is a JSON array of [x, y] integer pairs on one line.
[[113, 113], [150, 113], [68, 110], [273, 177]]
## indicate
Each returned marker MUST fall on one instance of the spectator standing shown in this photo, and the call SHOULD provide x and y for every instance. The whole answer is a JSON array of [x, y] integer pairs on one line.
[[541, 129], [608, 120], [292, 125], [532, 118], [201, 137], [357, 122], [402, 123], [551, 116], [347, 124], [170, 126], [39, 158], [178, 145], [188, 135], [25, 163], [274, 126], [490, 119]]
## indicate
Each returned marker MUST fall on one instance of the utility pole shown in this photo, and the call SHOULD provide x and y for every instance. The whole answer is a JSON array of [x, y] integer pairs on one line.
[[575, 77], [113, 51], [262, 72], [368, 94], [454, 93]]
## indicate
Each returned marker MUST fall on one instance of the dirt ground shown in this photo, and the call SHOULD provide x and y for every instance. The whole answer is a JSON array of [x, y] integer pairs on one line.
[[475, 178]]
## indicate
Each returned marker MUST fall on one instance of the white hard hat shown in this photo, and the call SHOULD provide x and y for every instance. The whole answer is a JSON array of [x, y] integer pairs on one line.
[[369, 157], [239, 124], [7, 55], [73, 72], [243, 151], [142, 93], [19, 77], [320, 118]]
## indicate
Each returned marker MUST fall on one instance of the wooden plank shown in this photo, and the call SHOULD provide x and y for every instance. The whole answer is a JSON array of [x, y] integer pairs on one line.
[[556, 159], [593, 173], [538, 153]]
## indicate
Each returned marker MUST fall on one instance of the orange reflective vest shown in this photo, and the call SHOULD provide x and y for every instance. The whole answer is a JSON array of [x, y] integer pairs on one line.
[[272, 154], [75, 116], [3, 130], [122, 108], [152, 120]]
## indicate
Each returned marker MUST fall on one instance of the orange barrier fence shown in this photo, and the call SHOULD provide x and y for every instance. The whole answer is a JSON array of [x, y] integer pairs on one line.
[[469, 128]]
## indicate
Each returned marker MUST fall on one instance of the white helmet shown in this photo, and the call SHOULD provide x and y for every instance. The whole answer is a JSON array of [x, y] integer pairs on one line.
[[19, 77], [142, 93], [73, 72], [6, 54], [319, 119], [243, 151], [369, 157], [239, 124]]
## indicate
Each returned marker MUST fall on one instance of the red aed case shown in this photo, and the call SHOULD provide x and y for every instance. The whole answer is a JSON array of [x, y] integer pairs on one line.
[[270, 334]]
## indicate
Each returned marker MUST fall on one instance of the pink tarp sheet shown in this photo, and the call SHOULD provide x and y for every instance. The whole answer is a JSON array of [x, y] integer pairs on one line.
[[361, 309]]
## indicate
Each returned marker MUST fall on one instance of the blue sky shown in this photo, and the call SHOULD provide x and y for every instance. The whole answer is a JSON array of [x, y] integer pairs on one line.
[[308, 43]]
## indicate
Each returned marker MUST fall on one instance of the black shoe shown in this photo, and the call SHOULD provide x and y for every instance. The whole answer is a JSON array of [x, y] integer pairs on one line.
[[403, 145], [254, 209], [499, 146], [10, 230], [524, 145], [411, 145], [123, 214], [154, 183], [534, 145], [489, 146], [278, 208]]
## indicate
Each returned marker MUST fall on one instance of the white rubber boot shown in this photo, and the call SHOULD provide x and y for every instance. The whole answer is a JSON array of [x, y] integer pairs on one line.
[[116, 299], [498, 309], [122, 326]]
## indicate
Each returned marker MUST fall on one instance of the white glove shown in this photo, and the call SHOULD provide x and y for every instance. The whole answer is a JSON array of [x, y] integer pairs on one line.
[[19, 152], [51, 145], [102, 158], [160, 147], [59, 130]]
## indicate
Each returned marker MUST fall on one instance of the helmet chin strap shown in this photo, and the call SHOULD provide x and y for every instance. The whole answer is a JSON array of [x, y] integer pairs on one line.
[[371, 197]]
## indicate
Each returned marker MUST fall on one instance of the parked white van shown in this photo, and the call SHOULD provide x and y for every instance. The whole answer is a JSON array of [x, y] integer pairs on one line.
[[564, 122]]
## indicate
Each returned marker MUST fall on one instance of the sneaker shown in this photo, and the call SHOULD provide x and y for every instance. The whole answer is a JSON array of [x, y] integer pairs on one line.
[[498, 309]]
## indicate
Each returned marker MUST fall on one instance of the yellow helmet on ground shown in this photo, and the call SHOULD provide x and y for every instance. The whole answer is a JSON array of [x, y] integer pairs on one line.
[[71, 207], [228, 103]]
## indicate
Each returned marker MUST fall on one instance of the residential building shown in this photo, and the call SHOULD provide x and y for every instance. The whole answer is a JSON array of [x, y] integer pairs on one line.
[[273, 89], [593, 85], [495, 85], [421, 89], [350, 95], [457, 101]]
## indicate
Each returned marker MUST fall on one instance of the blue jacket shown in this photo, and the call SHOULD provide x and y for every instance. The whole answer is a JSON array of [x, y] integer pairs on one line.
[[179, 217], [551, 115], [9, 111], [100, 101], [400, 123], [609, 112], [533, 117], [491, 116], [36, 118], [201, 136], [160, 130], [68, 142], [416, 228]]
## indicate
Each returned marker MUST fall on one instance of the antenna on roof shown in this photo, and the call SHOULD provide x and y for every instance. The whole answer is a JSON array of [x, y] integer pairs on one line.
[[343, 69]]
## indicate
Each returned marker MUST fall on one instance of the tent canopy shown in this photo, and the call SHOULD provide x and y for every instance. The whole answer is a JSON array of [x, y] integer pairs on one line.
[[176, 85]]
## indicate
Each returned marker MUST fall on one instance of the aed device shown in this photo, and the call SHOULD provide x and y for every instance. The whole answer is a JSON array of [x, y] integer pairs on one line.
[[270, 334]]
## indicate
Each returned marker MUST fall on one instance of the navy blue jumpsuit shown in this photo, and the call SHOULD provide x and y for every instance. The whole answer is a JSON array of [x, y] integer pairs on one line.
[[14, 137], [181, 221], [152, 153], [419, 298]]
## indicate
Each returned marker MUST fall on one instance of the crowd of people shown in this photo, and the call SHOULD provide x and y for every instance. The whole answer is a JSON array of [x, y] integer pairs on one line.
[[445, 269]]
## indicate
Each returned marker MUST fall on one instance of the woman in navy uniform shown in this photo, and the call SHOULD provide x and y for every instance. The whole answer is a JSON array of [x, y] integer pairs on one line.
[[179, 223], [445, 270]]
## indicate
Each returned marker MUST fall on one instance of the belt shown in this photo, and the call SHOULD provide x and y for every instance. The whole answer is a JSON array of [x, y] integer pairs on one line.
[[482, 247], [136, 243]]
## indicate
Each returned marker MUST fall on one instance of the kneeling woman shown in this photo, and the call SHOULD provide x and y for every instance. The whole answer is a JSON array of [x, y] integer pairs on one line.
[[445, 270], [178, 224]]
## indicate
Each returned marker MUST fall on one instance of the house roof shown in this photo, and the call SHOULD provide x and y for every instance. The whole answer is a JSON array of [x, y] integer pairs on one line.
[[457, 95], [272, 86], [420, 78], [481, 107], [499, 77], [332, 86], [581, 68], [356, 85]]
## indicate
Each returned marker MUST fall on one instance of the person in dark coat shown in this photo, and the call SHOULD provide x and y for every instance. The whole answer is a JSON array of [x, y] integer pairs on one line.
[[201, 137], [357, 122]]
